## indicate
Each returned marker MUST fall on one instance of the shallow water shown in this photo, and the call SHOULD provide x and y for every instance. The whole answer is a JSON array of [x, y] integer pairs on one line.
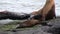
[[25, 6]]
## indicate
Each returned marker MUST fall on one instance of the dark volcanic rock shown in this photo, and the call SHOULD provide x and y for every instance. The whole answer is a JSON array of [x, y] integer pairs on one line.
[[55, 29], [39, 29]]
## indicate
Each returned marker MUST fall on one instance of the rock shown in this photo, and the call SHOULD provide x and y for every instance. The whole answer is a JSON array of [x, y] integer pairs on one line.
[[55, 28]]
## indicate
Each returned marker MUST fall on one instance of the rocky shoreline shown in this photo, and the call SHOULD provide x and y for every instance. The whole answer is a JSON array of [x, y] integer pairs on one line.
[[38, 29]]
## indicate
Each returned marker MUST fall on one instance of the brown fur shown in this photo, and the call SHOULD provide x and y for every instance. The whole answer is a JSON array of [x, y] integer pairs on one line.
[[28, 23], [47, 12]]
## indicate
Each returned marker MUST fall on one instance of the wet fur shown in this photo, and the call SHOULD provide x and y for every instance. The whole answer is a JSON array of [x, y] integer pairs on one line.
[[13, 15], [47, 13]]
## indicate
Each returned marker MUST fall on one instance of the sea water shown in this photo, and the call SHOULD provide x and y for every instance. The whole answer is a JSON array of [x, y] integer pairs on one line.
[[25, 6]]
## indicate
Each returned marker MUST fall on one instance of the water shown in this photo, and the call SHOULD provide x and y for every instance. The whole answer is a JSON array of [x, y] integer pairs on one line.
[[26, 6]]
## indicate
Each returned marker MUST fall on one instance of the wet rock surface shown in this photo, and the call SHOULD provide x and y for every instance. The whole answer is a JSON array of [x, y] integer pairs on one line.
[[38, 29]]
